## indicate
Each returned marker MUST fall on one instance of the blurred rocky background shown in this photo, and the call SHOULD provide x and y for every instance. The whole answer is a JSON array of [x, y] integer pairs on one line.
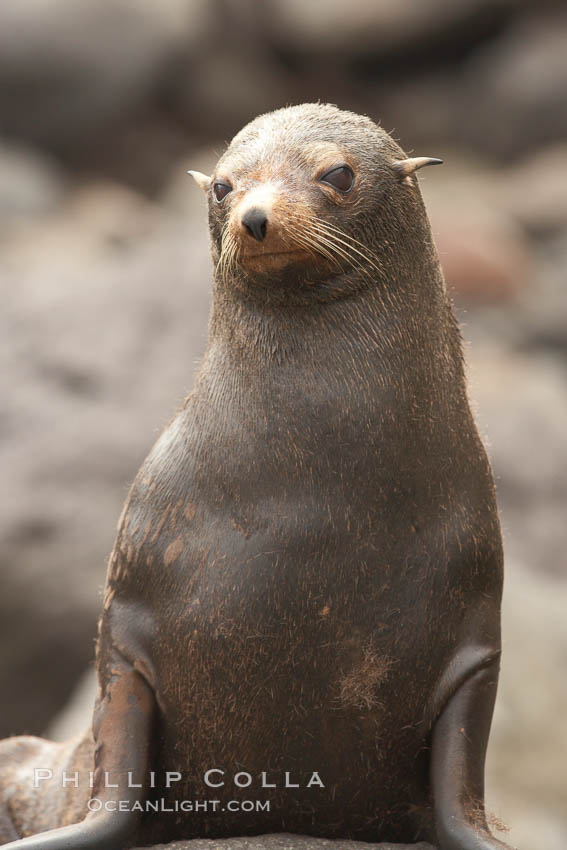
[[104, 278]]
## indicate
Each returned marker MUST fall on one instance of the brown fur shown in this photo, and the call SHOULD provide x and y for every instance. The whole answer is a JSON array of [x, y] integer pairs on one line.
[[309, 563], [359, 687]]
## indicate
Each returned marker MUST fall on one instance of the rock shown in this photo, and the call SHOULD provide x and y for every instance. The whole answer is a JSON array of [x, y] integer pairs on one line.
[[528, 746], [100, 337], [514, 88], [283, 841], [482, 262], [76, 715], [484, 253], [522, 409], [535, 191], [77, 65], [377, 28], [30, 184], [229, 89]]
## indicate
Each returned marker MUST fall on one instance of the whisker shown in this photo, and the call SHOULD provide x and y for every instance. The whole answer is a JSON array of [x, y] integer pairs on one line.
[[316, 236], [229, 253], [329, 226], [316, 239], [335, 233], [330, 243], [347, 243], [307, 241]]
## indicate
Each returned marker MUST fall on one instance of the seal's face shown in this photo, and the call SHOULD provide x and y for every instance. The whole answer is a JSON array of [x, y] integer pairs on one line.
[[298, 191], [273, 209]]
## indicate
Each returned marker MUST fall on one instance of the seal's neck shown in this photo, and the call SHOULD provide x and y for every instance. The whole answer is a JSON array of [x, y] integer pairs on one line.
[[393, 317], [301, 386]]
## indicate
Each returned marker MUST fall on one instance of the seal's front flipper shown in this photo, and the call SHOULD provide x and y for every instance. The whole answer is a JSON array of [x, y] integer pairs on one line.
[[122, 728], [460, 738]]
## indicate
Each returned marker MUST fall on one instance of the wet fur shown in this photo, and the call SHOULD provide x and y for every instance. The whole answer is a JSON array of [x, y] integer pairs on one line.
[[313, 540]]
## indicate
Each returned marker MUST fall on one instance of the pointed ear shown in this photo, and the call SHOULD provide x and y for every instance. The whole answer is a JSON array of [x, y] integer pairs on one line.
[[405, 167], [201, 180]]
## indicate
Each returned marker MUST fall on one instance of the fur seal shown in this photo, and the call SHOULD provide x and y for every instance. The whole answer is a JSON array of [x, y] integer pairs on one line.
[[308, 569]]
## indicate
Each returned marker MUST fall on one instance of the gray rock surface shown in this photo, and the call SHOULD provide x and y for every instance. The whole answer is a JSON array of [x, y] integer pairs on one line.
[[522, 76], [104, 318], [79, 65], [525, 785], [283, 841], [379, 28], [117, 86], [31, 184]]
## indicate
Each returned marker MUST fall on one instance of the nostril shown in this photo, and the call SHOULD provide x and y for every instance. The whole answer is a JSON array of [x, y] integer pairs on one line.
[[256, 223]]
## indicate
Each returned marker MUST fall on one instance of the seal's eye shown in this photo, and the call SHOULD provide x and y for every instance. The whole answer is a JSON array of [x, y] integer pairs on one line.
[[340, 178], [221, 190]]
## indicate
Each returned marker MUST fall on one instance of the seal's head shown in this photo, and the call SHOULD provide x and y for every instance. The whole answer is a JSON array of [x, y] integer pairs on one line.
[[299, 194]]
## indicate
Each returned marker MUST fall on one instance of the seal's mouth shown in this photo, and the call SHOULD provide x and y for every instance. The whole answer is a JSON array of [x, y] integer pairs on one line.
[[261, 254], [259, 261]]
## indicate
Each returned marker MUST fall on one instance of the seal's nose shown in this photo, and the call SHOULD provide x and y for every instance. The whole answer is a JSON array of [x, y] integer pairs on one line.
[[255, 221]]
